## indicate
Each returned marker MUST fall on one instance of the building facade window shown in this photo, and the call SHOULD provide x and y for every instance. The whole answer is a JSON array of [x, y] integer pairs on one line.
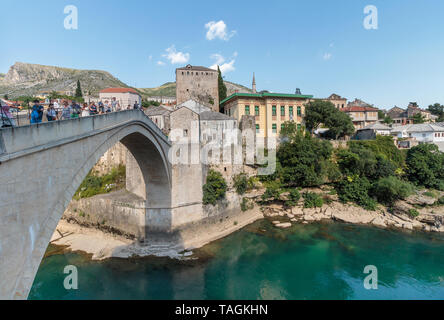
[[290, 111], [257, 128], [282, 111], [247, 110], [256, 111], [299, 126], [282, 126], [299, 111], [273, 111], [274, 127]]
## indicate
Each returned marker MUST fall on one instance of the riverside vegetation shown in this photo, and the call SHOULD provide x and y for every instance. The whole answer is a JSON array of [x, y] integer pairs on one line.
[[374, 175]]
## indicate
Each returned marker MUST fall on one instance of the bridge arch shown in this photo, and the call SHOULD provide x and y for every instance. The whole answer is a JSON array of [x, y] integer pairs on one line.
[[55, 170]]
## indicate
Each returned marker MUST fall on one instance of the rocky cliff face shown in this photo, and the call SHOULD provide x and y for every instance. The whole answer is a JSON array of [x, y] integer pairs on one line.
[[30, 79]]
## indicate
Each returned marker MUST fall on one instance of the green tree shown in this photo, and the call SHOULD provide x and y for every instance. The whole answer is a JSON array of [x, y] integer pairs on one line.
[[6, 97], [436, 109], [418, 118], [303, 160], [323, 112], [78, 90], [390, 189], [241, 183], [221, 85], [425, 165], [214, 189]]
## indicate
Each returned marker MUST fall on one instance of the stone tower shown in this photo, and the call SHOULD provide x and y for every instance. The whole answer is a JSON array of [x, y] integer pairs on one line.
[[199, 84], [254, 84]]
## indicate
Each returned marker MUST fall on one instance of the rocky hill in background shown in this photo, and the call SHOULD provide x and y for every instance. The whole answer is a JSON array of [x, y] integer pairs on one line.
[[31, 79]]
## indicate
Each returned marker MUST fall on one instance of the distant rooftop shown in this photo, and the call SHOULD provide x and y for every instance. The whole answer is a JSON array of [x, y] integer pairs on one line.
[[212, 115], [195, 68], [423, 127], [376, 126], [157, 111], [358, 109], [119, 90], [266, 95]]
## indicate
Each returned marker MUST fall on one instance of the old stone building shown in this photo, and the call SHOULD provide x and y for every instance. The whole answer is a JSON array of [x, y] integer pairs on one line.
[[361, 113], [160, 115], [199, 84], [338, 101]]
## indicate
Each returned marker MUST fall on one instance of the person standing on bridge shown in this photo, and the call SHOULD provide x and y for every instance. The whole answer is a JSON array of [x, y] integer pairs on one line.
[[66, 112], [51, 113], [85, 110], [92, 109], [37, 113], [76, 110]]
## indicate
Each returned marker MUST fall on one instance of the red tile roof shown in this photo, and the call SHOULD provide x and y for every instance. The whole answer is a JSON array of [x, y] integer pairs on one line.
[[358, 109], [119, 90]]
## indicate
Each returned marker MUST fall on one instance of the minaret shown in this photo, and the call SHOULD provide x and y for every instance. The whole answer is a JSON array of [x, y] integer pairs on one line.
[[254, 83]]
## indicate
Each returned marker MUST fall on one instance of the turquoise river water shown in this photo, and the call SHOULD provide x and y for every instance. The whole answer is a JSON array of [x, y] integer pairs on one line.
[[319, 261]]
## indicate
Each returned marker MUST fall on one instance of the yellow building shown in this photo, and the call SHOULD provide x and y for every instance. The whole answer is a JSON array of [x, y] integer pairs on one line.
[[270, 109]]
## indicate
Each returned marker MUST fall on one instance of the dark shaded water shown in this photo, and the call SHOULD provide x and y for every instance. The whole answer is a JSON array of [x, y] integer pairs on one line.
[[319, 261]]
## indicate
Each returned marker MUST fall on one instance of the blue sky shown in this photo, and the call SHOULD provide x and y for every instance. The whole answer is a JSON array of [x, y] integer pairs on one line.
[[319, 46]]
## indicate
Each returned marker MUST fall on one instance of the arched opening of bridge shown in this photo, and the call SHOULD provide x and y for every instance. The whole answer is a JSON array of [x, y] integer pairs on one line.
[[43, 174]]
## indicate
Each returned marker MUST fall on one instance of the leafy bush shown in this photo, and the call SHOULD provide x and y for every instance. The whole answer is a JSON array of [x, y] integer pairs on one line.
[[246, 204], [293, 198], [431, 194], [383, 146], [441, 201], [312, 200], [273, 192], [413, 213], [425, 165], [390, 189], [355, 189], [303, 161], [94, 185], [241, 183], [214, 189]]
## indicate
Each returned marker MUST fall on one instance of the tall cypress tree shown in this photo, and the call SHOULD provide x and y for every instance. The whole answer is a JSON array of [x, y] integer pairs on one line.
[[222, 87], [78, 90]]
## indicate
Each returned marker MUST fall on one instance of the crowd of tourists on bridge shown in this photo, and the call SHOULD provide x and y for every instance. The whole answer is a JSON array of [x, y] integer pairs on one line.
[[65, 110]]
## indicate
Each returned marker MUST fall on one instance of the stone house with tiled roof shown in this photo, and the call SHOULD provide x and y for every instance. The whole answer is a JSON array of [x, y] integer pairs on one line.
[[361, 113]]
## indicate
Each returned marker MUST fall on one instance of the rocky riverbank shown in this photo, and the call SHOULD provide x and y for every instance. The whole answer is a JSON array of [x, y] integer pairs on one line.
[[102, 243], [430, 217]]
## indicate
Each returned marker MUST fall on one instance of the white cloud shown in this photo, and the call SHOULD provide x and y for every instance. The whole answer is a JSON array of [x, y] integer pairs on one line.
[[176, 57], [160, 63], [150, 58], [327, 56], [225, 67], [218, 30], [219, 58]]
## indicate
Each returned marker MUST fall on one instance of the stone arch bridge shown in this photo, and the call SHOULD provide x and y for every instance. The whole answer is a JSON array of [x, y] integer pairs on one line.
[[42, 166]]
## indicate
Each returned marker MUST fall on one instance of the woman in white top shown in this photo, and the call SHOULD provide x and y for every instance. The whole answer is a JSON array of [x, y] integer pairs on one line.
[[85, 110]]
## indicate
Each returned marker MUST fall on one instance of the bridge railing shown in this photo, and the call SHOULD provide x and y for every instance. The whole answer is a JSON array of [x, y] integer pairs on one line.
[[19, 139]]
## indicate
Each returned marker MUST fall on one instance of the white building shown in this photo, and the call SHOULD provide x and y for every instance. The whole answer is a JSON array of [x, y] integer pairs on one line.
[[421, 133], [125, 96], [163, 100]]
